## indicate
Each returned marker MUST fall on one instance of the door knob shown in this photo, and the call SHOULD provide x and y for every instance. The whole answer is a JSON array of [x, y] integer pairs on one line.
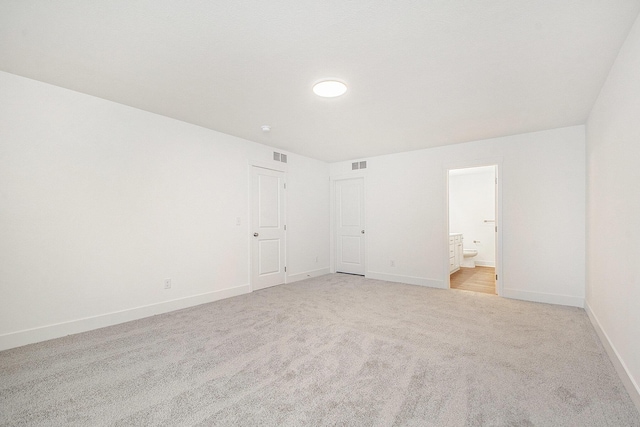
[[362, 231], [255, 234]]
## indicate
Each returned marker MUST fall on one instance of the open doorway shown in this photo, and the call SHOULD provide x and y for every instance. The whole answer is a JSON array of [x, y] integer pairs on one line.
[[473, 229]]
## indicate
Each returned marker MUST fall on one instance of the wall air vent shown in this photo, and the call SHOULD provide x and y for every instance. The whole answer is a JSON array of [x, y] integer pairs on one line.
[[358, 165], [279, 157]]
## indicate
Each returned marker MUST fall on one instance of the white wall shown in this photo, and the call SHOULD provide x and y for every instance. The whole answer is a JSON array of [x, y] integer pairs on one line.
[[471, 202], [613, 209], [100, 202], [543, 207], [307, 218]]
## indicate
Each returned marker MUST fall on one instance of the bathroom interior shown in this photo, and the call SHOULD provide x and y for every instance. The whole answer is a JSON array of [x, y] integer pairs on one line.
[[472, 229]]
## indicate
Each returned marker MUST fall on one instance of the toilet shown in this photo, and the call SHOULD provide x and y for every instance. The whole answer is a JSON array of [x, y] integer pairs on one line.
[[468, 255]]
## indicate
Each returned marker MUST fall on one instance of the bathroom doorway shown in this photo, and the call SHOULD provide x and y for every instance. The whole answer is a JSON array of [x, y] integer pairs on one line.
[[473, 228]]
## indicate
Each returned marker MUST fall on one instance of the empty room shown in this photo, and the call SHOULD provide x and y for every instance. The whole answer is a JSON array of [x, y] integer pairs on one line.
[[292, 213]]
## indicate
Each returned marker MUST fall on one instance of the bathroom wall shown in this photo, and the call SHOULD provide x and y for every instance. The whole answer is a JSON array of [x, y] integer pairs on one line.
[[471, 202]]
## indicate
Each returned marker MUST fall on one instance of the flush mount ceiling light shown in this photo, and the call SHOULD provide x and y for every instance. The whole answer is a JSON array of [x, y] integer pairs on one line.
[[265, 128], [329, 88]]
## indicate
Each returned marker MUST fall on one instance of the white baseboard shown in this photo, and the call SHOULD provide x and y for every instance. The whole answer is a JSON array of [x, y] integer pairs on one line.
[[43, 333], [485, 264], [420, 281], [542, 297], [307, 275], [621, 368]]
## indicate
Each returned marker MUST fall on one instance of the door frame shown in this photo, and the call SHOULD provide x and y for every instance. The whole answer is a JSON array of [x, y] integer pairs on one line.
[[497, 162], [276, 168], [333, 253]]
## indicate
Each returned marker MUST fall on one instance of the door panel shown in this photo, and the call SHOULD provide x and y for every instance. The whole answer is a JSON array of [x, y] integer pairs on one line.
[[269, 256], [350, 250], [349, 206], [268, 198], [267, 228], [350, 238]]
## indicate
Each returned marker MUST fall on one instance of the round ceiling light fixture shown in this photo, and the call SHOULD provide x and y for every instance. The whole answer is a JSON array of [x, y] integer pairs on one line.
[[329, 88]]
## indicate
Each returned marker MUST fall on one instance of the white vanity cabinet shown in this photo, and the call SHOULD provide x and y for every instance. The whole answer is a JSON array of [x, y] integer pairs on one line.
[[455, 252]]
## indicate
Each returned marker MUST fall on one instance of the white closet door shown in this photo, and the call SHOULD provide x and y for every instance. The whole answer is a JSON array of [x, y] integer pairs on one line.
[[349, 223], [267, 218]]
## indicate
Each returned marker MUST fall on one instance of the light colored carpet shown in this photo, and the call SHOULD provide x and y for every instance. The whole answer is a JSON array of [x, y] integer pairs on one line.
[[333, 350]]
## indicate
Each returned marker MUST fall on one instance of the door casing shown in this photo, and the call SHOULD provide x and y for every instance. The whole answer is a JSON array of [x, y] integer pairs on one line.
[[497, 162]]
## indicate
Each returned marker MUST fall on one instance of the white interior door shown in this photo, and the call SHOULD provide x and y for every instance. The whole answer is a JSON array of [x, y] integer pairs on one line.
[[267, 228], [349, 224]]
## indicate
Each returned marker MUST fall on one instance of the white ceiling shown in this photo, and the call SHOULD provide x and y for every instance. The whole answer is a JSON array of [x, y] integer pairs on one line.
[[420, 73]]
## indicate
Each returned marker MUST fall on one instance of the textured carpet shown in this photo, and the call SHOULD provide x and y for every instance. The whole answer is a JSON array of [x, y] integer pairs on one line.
[[333, 350]]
